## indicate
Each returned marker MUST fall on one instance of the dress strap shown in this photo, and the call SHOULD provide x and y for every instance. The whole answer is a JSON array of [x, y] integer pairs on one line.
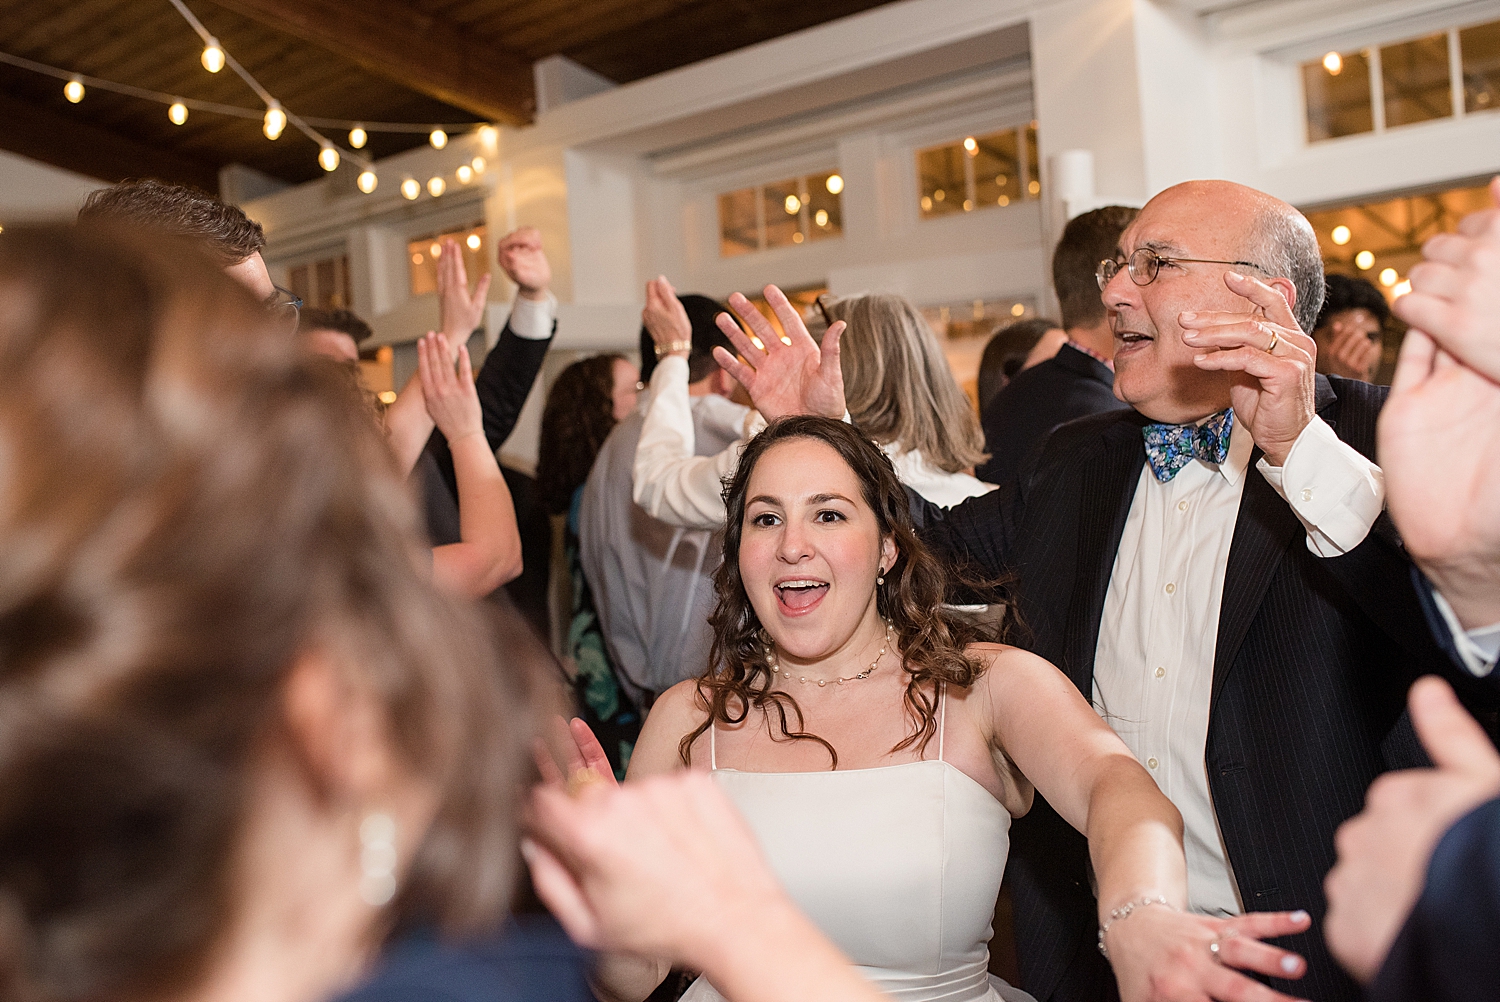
[[713, 753], [942, 716]]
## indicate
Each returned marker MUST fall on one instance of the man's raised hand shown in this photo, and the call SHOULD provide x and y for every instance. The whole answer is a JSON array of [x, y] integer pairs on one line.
[[783, 379], [525, 263]]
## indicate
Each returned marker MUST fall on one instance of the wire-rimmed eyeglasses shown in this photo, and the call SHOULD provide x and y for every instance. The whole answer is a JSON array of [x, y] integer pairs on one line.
[[284, 305], [1144, 265]]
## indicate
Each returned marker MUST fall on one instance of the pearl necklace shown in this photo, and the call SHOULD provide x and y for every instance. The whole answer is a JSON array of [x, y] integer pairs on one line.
[[776, 666]]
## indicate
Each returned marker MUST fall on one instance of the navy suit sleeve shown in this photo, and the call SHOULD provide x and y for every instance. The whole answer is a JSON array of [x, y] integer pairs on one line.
[[1447, 952], [503, 383]]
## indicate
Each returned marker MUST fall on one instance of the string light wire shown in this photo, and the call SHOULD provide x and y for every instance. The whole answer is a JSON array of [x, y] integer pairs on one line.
[[307, 126]]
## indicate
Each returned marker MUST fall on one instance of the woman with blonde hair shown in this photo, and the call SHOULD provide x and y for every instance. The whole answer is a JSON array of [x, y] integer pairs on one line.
[[899, 388], [902, 394]]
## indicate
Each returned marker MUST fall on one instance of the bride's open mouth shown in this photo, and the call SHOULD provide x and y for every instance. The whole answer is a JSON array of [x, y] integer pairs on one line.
[[797, 596]]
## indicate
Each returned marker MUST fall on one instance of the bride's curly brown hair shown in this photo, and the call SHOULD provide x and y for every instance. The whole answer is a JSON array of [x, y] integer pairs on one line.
[[930, 637]]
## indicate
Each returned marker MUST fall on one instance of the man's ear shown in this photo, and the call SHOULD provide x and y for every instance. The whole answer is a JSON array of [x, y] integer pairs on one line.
[[1288, 289], [337, 732]]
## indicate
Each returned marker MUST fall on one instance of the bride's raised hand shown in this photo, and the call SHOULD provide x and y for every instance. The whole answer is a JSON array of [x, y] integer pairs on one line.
[[580, 752], [1161, 955]]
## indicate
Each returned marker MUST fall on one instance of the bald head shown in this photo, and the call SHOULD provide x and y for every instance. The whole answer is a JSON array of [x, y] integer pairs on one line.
[[1270, 233]]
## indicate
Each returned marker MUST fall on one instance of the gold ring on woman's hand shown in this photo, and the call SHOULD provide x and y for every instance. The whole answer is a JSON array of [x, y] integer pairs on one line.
[[1275, 340]]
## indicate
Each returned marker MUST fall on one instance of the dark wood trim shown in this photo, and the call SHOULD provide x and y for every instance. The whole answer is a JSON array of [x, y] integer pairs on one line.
[[393, 40], [87, 149]]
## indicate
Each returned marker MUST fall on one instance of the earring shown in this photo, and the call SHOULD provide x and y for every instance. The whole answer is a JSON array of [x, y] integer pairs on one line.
[[377, 858], [881, 579]]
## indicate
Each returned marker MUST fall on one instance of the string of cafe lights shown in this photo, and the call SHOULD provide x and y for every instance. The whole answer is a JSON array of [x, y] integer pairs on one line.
[[275, 117]]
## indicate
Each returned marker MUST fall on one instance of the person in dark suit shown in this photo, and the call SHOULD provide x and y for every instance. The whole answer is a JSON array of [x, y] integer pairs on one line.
[[1414, 903], [1079, 380], [1213, 569]]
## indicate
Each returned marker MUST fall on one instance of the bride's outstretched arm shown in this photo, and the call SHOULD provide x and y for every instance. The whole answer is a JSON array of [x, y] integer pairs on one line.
[[1081, 766]]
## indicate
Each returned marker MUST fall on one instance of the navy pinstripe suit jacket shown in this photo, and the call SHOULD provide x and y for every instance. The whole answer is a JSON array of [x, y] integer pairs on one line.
[[1312, 663]]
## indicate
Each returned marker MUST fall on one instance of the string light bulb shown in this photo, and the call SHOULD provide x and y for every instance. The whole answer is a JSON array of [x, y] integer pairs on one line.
[[1333, 63], [213, 56], [438, 138], [275, 122], [436, 186], [1364, 260], [177, 113], [73, 90], [1388, 277], [465, 173], [367, 181], [358, 137], [834, 184], [792, 205], [1341, 234], [478, 164], [410, 189], [473, 242], [328, 158], [971, 145], [489, 136]]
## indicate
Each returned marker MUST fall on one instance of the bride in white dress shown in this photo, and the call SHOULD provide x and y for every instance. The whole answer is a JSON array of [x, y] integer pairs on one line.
[[879, 753]]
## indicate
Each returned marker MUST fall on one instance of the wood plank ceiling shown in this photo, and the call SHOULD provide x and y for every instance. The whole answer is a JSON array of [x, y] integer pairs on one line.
[[346, 59]]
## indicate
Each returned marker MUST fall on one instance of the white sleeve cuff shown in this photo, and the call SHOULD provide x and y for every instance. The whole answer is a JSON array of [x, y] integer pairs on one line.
[[1479, 648], [1335, 492], [532, 318]]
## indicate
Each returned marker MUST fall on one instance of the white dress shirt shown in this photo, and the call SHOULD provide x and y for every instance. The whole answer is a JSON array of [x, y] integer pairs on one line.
[[1153, 668], [672, 484], [532, 318], [1479, 648]]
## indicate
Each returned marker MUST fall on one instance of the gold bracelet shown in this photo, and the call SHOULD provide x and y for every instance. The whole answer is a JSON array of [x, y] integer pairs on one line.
[[663, 350]]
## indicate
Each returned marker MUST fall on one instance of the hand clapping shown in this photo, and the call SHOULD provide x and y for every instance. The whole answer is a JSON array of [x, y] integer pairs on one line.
[[451, 398]]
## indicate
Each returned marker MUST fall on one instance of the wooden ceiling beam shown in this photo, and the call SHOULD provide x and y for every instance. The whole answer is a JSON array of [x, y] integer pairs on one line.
[[87, 149], [395, 41]]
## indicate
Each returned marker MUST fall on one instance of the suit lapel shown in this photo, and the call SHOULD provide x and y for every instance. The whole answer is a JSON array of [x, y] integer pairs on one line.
[[1263, 532], [1108, 488]]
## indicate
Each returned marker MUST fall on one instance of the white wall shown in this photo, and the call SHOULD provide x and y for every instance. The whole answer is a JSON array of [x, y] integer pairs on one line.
[[33, 192]]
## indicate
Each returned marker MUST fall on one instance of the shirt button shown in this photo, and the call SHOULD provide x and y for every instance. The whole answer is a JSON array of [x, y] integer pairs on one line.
[[1182, 506], [1307, 494], [1161, 673], [1171, 588], [1151, 763]]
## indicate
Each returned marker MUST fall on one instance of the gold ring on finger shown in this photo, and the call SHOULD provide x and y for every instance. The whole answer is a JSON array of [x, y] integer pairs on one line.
[[1275, 340], [581, 779]]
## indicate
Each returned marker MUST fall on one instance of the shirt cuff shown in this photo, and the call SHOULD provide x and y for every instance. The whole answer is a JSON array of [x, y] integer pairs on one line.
[[532, 318], [1335, 492], [1479, 648]]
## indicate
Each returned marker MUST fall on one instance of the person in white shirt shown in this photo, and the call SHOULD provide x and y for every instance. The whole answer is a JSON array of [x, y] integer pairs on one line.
[[902, 394], [1237, 607]]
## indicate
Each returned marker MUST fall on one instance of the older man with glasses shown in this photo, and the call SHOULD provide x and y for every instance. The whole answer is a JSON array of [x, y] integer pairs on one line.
[[1213, 569]]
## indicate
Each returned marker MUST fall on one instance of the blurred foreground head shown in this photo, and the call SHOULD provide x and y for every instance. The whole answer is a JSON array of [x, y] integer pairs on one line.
[[219, 656]]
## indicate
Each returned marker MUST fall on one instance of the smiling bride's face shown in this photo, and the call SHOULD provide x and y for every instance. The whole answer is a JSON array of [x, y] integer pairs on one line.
[[811, 550]]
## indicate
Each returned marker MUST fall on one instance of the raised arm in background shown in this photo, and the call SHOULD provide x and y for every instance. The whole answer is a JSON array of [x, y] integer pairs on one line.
[[407, 422], [668, 480], [489, 553]]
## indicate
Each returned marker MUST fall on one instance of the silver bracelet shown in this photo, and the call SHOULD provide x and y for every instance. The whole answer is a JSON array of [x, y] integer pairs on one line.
[[1123, 912]]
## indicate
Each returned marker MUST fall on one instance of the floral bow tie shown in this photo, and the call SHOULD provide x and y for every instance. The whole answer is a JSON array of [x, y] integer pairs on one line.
[[1170, 447]]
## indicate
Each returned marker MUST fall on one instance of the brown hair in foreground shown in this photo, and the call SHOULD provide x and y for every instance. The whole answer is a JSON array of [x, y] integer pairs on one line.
[[930, 638], [179, 211], [186, 506]]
